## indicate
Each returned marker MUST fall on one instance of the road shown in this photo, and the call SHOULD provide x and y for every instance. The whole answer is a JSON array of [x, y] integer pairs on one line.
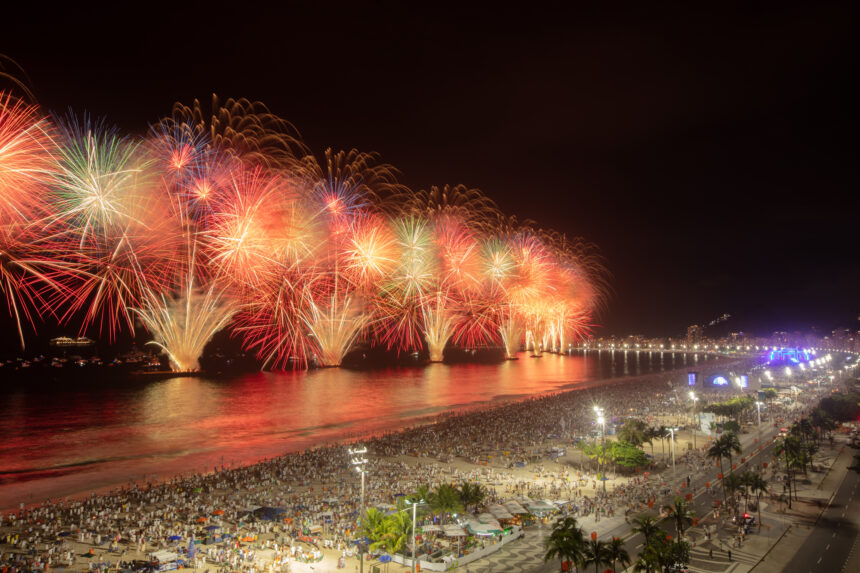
[[831, 541]]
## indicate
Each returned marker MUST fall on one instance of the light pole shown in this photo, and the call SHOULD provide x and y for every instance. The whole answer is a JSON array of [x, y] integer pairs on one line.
[[602, 421], [358, 463], [672, 433], [695, 399], [415, 505]]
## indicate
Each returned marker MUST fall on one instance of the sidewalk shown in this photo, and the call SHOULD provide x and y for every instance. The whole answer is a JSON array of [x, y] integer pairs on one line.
[[782, 529]]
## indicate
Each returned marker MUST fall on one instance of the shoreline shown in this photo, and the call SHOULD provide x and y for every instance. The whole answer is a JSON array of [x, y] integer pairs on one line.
[[503, 446], [396, 426]]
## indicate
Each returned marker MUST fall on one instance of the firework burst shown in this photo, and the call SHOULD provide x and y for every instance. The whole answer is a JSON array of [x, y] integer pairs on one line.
[[221, 217]]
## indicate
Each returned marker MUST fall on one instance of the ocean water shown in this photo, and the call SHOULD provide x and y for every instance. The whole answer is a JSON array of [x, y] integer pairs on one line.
[[77, 438]]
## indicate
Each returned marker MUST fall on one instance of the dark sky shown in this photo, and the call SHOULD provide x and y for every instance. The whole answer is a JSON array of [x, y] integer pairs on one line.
[[709, 154]]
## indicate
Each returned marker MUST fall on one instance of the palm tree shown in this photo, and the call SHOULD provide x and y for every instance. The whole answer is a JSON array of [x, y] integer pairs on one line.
[[566, 542], [757, 485], [396, 531], [445, 500], [653, 433], [732, 444], [723, 448], [423, 492], [682, 515], [634, 432], [472, 494], [373, 524], [647, 526], [791, 448], [616, 552], [662, 433], [733, 483], [595, 551]]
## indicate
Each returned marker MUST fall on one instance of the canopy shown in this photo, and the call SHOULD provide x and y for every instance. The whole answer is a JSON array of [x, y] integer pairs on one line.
[[515, 508], [541, 507], [164, 556], [431, 528], [477, 528], [452, 530], [499, 512], [488, 519]]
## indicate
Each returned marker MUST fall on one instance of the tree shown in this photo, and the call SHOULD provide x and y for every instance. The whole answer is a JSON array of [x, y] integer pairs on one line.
[[723, 448], [634, 432], [663, 433], [472, 494], [395, 532], [444, 500], [595, 552], [790, 448], [660, 553], [373, 524], [647, 526], [732, 483], [731, 426], [626, 455], [617, 554], [681, 515], [653, 433], [758, 486], [422, 492], [732, 445], [565, 542], [842, 407]]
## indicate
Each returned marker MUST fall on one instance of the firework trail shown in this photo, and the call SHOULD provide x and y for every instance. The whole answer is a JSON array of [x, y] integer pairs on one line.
[[221, 217], [182, 324]]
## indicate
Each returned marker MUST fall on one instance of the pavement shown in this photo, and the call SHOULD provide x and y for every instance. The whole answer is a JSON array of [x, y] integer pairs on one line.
[[819, 533]]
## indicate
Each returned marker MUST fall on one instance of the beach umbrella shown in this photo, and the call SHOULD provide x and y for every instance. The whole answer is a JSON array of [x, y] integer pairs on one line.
[[385, 558], [211, 527], [218, 512], [202, 520]]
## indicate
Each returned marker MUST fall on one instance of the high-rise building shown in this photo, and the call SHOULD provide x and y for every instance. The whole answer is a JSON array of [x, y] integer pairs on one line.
[[694, 334]]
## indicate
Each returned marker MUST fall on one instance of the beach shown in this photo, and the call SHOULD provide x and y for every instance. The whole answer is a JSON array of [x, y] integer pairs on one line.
[[315, 494]]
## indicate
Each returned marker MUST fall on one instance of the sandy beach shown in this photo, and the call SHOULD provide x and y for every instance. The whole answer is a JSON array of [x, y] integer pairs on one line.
[[503, 446]]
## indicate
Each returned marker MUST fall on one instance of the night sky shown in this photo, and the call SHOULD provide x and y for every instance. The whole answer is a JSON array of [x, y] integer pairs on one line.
[[705, 152]]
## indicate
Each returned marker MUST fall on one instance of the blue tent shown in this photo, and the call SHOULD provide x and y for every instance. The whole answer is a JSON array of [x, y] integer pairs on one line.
[[385, 559]]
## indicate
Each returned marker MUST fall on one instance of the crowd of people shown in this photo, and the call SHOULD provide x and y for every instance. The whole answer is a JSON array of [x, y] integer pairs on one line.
[[316, 494]]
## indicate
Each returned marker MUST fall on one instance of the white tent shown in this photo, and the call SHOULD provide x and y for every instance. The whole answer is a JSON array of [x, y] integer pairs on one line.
[[499, 512], [164, 556], [477, 528], [452, 530], [431, 528], [489, 519], [515, 508]]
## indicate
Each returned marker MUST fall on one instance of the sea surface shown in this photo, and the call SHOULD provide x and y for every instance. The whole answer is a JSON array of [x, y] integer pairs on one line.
[[76, 438]]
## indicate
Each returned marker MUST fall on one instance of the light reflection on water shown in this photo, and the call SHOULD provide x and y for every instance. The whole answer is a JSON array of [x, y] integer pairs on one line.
[[79, 439]]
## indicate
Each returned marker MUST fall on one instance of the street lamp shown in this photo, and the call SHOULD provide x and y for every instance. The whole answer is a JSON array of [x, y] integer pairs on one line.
[[695, 399], [602, 421], [672, 432], [758, 411], [415, 504], [358, 462]]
